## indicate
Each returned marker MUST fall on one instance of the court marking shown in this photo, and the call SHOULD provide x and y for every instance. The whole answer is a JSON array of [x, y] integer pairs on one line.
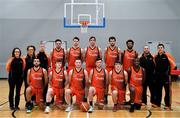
[[69, 113]]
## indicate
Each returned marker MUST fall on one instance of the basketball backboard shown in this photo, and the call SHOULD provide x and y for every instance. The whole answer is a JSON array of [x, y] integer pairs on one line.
[[76, 11]]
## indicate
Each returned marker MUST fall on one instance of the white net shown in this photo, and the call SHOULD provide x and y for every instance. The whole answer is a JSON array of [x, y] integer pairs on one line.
[[84, 26]]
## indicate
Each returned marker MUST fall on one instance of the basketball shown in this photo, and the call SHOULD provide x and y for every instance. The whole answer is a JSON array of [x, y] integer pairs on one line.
[[84, 106]]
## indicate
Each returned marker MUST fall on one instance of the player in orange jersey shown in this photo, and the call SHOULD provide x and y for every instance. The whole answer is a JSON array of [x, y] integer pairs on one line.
[[112, 53], [57, 83], [57, 53], [74, 53], [136, 79], [37, 80], [77, 85], [92, 52], [118, 78], [129, 55], [99, 84]]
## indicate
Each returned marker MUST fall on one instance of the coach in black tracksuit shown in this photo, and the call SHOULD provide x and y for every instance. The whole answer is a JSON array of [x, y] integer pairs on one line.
[[43, 57], [29, 64], [147, 62], [162, 71]]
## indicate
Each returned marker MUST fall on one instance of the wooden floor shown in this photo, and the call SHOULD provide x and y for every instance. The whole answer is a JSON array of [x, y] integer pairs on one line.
[[107, 112]]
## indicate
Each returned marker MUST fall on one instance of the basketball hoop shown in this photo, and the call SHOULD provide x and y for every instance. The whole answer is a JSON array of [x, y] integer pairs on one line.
[[84, 26]]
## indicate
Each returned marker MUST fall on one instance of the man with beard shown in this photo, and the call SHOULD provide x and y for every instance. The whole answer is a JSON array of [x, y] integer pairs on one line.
[[57, 53], [37, 80], [112, 54], [92, 52], [136, 77], [74, 53]]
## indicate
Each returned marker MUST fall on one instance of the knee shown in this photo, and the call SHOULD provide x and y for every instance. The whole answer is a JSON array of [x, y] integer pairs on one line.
[[28, 90], [68, 91], [91, 90], [115, 92], [132, 89]]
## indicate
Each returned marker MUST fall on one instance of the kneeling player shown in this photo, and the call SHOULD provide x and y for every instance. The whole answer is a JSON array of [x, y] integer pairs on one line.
[[136, 78], [77, 86], [99, 84], [57, 82], [37, 80], [117, 79]]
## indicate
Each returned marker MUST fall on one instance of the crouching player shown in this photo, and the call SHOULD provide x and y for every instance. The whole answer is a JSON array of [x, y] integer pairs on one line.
[[57, 83], [37, 80], [77, 85], [118, 78], [99, 84], [136, 79]]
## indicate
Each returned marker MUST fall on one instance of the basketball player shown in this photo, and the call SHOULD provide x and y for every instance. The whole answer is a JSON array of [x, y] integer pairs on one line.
[[129, 55], [37, 80], [99, 84], [57, 83], [118, 78], [136, 79], [147, 62], [57, 53], [112, 53], [74, 53], [77, 86], [92, 52], [162, 73]]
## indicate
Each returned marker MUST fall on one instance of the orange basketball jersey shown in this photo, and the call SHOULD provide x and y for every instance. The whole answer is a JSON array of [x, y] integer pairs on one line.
[[58, 79], [57, 55], [78, 80], [136, 77], [128, 59], [111, 56], [118, 80], [91, 56], [73, 55], [98, 78], [36, 78]]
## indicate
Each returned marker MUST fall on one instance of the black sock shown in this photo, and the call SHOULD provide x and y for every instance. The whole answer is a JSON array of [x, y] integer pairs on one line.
[[48, 103], [91, 103], [115, 104], [85, 100]]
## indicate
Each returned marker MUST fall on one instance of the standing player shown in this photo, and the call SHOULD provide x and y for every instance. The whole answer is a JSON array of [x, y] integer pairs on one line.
[[112, 53], [92, 52], [77, 86], [136, 79], [57, 53], [99, 84], [129, 55], [118, 78], [147, 62], [37, 80], [163, 79], [57, 83], [74, 53]]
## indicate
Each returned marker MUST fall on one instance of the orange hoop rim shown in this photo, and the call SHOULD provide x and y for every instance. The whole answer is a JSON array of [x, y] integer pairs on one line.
[[84, 23]]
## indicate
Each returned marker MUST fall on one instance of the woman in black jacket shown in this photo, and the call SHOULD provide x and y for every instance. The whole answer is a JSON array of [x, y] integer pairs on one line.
[[15, 67]]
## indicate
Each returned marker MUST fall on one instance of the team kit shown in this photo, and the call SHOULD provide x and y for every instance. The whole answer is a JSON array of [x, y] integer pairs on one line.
[[48, 81]]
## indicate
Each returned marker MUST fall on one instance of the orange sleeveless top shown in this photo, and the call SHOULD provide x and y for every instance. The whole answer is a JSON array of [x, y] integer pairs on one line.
[[111, 56], [58, 79], [136, 77], [57, 55], [128, 59], [98, 78], [73, 55], [118, 79], [91, 56]]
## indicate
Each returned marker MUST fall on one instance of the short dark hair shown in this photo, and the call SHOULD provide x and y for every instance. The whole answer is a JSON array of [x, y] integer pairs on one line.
[[35, 58], [117, 62], [79, 59], [59, 60], [58, 40], [31, 46], [160, 44], [92, 38], [129, 40], [112, 37], [98, 58], [13, 55], [76, 38]]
